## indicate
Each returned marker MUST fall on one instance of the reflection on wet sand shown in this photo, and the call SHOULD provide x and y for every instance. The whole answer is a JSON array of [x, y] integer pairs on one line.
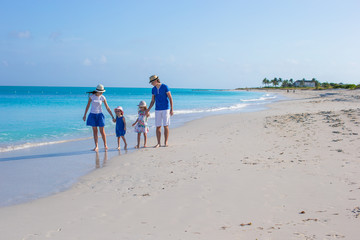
[[98, 164]]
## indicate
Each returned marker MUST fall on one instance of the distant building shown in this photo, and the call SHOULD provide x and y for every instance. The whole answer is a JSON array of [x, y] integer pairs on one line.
[[304, 83]]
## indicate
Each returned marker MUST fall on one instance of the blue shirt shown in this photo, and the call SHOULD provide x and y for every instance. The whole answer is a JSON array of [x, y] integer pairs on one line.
[[161, 98]]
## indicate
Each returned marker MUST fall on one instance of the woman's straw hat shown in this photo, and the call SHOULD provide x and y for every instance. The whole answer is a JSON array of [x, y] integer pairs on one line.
[[100, 88], [142, 104], [153, 78]]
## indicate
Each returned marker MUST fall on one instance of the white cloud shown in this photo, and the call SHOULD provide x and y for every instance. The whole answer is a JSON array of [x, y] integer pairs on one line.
[[292, 61], [87, 62], [172, 58], [5, 63], [95, 61], [30, 63], [55, 36], [22, 35], [103, 59]]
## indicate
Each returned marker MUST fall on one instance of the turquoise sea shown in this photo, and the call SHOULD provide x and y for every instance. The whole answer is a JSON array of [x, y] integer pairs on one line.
[[44, 143]]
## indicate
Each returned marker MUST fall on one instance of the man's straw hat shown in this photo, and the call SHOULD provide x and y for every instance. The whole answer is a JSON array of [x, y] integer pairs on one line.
[[153, 78]]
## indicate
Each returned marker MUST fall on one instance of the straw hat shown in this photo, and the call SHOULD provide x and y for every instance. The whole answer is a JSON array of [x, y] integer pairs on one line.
[[100, 88], [142, 104], [153, 78], [119, 109]]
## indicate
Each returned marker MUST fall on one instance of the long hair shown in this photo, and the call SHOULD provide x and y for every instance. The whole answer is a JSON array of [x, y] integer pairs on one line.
[[92, 92]]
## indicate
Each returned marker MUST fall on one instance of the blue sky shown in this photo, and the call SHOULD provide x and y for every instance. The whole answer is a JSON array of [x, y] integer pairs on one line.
[[191, 44]]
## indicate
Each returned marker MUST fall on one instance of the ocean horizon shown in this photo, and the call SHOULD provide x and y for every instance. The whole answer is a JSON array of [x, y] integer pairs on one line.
[[45, 145]]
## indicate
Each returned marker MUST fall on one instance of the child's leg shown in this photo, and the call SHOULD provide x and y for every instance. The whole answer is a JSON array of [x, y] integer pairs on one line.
[[138, 140], [95, 133], [145, 139], [123, 138], [118, 140], [103, 135]]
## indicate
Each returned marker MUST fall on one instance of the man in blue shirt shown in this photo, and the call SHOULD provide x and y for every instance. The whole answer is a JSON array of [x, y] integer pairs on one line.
[[162, 99]]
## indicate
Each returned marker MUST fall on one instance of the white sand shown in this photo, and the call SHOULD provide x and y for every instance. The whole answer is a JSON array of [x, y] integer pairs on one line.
[[290, 172]]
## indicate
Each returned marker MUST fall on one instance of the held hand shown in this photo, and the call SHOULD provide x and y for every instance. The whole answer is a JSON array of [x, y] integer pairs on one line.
[[147, 111], [133, 124], [84, 118], [171, 112], [114, 120]]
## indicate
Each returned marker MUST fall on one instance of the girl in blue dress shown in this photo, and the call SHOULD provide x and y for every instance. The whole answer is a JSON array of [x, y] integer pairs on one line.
[[120, 128]]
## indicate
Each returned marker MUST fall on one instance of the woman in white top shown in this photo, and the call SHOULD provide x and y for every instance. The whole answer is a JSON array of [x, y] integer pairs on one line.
[[96, 118]]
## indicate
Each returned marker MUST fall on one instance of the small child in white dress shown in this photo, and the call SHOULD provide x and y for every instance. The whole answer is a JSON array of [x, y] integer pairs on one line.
[[141, 123]]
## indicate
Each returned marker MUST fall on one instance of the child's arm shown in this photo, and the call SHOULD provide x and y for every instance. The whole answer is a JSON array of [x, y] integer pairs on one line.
[[86, 109], [124, 123], [108, 109], [135, 122]]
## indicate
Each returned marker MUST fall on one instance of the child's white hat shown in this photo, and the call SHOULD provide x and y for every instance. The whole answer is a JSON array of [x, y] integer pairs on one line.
[[142, 104], [119, 109]]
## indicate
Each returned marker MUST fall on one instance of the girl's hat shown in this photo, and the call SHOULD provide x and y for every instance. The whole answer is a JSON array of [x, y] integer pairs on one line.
[[142, 104], [119, 109], [100, 88]]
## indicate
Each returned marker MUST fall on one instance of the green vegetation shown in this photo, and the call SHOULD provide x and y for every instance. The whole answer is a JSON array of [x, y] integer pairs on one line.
[[306, 84]]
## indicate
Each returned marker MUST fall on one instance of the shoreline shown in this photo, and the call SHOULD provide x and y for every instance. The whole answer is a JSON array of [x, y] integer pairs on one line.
[[52, 167], [275, 173]]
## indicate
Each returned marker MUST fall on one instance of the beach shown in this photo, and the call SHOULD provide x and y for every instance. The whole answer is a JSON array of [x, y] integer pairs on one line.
[[291, 171]]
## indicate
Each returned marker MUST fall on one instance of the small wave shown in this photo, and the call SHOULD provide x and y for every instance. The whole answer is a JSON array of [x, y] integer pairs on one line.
[[266, 97], [189, 111], [29, 145]]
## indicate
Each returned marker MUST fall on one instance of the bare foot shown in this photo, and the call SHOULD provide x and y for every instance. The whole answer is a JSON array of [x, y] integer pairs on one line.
[[118, 147], [157, 145], [106, 147], [145, 146], [125, 147], [166, 145], [96, 149], [136, 146]]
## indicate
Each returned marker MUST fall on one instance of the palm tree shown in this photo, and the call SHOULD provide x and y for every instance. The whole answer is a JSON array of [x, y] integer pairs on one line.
[[317, 83], [302, 84], [291, 82], [266, 82], [285, 83], [275, 82]]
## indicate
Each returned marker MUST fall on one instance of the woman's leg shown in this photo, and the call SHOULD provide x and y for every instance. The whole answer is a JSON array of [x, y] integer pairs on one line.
[[95, 133], [103, 135]]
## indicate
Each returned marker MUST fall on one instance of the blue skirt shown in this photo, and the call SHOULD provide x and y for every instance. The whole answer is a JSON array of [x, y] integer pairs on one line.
[[96, 120]]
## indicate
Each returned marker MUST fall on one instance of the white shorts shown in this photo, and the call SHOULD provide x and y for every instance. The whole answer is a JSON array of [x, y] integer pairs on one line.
[[162, 118]]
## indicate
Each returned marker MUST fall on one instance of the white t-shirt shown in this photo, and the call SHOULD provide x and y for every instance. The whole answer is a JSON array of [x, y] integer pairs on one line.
[[96, 102]]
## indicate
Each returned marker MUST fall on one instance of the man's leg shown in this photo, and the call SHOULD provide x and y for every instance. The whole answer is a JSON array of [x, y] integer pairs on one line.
[[166, 124], [158, 136], [158, 127], [166, 135]]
